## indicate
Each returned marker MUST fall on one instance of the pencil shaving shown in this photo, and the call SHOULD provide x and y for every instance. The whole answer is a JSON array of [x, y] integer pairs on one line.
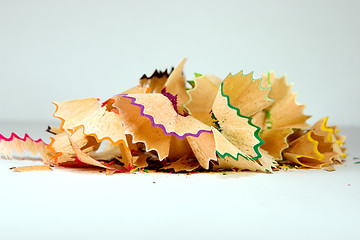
[[166, 123]]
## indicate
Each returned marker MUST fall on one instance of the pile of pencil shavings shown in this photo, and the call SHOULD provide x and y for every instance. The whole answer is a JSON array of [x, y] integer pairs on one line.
[[170, 124]]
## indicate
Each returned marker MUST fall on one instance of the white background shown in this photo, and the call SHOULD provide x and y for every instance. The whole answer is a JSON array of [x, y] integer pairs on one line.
[[80, 204], [62, 50]]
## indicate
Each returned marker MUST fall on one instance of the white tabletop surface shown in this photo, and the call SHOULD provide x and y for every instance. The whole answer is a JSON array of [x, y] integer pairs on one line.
[[75, 204]]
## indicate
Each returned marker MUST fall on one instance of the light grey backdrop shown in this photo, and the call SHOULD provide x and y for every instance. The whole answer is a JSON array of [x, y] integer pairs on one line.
[[61, 50]]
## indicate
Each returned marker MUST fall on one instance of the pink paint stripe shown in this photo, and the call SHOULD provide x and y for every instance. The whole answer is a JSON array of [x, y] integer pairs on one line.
[[14, 136], [142, 113]]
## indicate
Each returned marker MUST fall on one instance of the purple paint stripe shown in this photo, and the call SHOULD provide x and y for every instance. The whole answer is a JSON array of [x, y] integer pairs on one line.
[[152, 120], [13, 135]]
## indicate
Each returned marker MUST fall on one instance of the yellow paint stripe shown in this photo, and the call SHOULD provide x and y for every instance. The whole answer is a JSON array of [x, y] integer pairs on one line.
[[133, 170], [302, 164], [316, 144], [324, 128], [315, 149], [340, 143]]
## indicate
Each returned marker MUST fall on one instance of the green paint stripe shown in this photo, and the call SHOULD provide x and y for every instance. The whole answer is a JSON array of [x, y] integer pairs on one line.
[[194, 86], [192, 83], [235, 158], [261, 88], [256, 133]]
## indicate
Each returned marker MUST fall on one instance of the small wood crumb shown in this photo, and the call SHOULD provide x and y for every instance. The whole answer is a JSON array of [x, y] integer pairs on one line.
[[109, 172], [32, 168], [330, 168]]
